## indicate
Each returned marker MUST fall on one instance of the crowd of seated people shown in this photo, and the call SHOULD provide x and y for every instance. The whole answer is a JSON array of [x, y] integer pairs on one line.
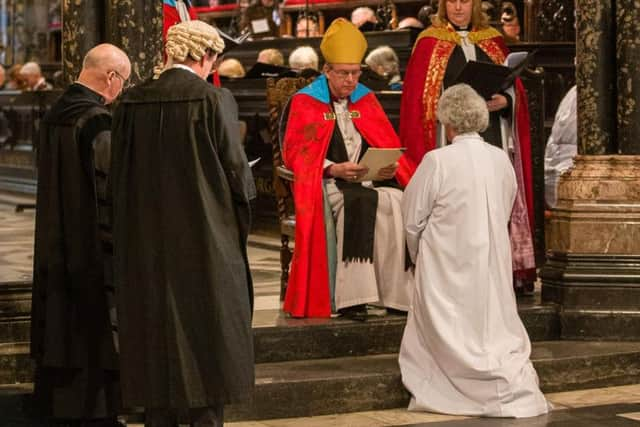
[[23, 77]]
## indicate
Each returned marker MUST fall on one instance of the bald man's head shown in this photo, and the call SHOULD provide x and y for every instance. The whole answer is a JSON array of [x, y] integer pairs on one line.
[[106, 57], [106, 70]]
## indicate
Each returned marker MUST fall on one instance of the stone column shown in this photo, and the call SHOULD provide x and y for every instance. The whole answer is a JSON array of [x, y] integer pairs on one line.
[[593, 246], [595, 76], [82, 28], [628, 84], [136, 27]]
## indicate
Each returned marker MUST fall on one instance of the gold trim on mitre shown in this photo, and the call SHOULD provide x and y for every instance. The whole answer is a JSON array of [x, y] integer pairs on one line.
[[343, 43]]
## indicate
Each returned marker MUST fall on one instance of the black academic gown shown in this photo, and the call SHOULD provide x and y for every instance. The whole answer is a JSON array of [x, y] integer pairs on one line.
[[71, 331], [181, 195]]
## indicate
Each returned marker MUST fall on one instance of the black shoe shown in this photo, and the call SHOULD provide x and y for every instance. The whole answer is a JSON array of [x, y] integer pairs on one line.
[[356, 312], [396, 312]]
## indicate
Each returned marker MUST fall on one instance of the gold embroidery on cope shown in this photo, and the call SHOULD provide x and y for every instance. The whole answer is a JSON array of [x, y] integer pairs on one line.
[[433, 84]]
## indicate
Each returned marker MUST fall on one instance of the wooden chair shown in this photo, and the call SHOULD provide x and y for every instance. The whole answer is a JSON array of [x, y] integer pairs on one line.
[[279, 91]]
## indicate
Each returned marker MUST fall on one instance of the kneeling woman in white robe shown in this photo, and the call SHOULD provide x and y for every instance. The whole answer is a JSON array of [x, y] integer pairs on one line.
[[465, 350]]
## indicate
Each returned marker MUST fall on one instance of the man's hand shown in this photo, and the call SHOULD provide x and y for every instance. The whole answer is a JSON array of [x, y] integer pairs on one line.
[[387, 172], [497, 102], [348, 171]]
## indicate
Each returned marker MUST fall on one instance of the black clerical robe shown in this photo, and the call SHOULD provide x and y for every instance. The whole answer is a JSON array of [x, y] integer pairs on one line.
[[71, 331], [181, 195]]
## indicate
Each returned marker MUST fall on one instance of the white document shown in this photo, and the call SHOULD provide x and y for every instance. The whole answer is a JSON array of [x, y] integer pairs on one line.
[[514, 59], [260, 26], [378, 158]]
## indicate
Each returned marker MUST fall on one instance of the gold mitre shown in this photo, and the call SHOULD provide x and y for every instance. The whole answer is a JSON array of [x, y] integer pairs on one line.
[[343, 43]]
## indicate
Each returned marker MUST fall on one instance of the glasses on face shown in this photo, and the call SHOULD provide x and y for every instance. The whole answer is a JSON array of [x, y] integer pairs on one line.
[[344, 74], [126, 84]]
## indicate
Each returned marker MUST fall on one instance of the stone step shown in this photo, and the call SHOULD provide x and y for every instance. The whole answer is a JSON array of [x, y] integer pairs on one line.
[[279, 339], [15, 364], [351, 384]]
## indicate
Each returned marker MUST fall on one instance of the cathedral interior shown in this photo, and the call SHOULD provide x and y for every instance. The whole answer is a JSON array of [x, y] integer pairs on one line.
[[583, 317]]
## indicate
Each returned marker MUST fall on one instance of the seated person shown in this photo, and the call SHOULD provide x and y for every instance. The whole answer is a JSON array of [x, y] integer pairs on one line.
[[15, 81], [562, 146], [510, 23], [410, 22], [349, 241], [262, 18], [303, 58], [307, 26], [465, 350], [231, 68], [32, 76], [364, 18], [384, 61], [271, 56]]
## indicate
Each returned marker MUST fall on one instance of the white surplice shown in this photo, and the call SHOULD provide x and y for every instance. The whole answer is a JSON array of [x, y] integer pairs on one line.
[[465, 350]]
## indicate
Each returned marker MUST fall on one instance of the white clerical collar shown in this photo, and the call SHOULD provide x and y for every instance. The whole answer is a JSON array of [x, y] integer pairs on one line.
[[466, 137], [184, 67]]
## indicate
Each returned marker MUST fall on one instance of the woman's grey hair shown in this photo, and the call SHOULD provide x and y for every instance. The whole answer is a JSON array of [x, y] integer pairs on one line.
[[463, 109], [384, 56], [304, 57]]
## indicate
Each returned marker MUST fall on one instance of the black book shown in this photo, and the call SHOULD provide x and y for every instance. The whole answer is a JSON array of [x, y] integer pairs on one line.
[[230, 42], [488, 78], [262, 71]]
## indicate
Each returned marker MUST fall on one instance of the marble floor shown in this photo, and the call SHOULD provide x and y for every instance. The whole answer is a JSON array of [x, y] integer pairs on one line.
[[16, 255], [603, 407]]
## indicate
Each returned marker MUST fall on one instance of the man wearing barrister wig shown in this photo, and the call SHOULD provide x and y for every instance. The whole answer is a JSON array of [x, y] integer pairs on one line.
[[349, 239], [182, 186], [459, 33]]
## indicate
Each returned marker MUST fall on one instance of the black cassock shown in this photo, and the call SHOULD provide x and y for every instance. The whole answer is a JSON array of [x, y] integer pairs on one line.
[[181, 195], [71, 331]]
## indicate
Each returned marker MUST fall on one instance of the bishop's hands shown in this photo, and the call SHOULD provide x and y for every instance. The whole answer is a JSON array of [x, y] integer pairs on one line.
[[497, 103], [347, 171], [387, 172], [350, 171]]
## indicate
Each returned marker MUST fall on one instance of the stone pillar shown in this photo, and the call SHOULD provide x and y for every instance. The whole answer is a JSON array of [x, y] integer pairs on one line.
[[82, 28], [628, 84], [595, 77], [136, 27], [593, 244]]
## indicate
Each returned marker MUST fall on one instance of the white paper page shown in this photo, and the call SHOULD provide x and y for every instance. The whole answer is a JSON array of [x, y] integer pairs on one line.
[[514, 59], [378, 158], [259, 26]]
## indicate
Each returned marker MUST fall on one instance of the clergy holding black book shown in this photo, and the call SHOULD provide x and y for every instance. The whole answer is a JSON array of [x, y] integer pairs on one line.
[[460, 33]]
